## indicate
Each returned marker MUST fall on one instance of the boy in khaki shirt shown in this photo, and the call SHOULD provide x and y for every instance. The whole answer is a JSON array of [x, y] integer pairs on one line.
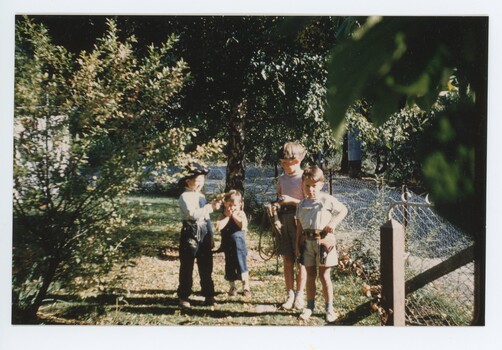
[[318, 214]]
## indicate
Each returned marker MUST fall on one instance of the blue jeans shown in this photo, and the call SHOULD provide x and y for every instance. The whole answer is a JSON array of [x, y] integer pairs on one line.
[[234, 247], [190, 251]]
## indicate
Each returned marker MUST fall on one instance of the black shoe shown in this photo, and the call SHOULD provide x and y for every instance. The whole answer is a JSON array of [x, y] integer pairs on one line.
[[209, 301]]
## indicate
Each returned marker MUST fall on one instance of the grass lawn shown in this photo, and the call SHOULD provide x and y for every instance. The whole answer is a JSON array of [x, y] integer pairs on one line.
[[141, 290]]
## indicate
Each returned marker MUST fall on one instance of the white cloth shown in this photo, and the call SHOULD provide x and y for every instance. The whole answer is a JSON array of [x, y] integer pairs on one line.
[[194, 207], [315, 214]]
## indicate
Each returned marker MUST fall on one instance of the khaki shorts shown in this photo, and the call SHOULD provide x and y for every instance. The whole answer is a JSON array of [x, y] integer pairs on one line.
[[311, 254]]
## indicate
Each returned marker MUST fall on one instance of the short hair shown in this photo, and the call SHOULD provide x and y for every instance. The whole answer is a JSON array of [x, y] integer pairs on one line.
[[292, 150], [232, 195], [313, 173]]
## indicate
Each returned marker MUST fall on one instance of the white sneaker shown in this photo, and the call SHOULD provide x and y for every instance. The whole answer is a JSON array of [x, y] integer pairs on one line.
[[299, 303], [305, 315], [331, 315], [184, 303], [288, 305]]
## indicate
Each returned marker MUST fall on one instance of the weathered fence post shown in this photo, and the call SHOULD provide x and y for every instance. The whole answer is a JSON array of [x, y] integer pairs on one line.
[[392, 272]]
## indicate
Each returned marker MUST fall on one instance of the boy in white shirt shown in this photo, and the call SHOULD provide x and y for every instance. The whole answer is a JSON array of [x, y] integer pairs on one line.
[[196, 239], [318, 214]]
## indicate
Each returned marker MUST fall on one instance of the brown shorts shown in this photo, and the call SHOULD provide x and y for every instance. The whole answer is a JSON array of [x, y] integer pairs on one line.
[[287, 242]]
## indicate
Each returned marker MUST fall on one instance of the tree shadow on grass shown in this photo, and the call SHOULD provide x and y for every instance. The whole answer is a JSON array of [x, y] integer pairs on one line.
[[352, 317], [197, 311], [75, 311], [165, 302]]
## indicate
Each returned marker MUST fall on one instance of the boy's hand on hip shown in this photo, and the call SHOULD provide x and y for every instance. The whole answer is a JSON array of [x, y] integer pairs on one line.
[[329, 229]]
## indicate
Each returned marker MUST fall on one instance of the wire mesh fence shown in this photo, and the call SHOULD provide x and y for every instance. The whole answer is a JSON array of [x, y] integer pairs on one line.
[[430, 240]]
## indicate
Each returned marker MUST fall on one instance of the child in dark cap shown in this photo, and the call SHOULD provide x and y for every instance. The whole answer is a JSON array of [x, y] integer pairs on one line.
[[196, 239]]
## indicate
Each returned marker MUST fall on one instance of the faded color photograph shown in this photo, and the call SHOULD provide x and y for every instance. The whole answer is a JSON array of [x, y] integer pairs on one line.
[[249, 170]]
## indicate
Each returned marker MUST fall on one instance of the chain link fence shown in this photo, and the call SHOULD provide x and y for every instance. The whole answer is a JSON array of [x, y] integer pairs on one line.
[[430, 240]]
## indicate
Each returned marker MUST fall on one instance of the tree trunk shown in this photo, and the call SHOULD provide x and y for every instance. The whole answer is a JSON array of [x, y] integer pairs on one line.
[[235, 150], [344, 166], [29, 315]]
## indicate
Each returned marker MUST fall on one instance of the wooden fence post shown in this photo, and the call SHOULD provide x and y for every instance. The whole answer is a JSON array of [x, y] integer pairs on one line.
[[392, 272]]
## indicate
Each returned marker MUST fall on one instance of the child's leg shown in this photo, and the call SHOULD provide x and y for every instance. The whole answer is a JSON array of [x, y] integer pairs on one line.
[[311, 282], [287, 251], [185, 276], [327, 291], [205, 265], [311, 287], [327, 285], [241, 255], [301, 282], [289, 280]]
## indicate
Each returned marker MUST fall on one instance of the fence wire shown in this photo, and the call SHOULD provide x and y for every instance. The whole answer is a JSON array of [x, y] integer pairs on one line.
[[430, 240]]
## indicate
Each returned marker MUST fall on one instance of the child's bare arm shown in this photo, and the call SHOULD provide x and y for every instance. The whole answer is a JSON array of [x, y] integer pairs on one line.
[[288, 200], [240, 219], [341, 211], [299, 232]]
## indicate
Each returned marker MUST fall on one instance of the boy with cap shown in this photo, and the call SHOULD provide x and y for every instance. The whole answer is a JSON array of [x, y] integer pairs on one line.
[[196, 239]]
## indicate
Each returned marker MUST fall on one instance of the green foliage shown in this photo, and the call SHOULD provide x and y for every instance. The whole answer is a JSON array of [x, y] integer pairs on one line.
[[450, 158], [85, 130], [391, 147], [235, 59], [394, 62], [291, 85]]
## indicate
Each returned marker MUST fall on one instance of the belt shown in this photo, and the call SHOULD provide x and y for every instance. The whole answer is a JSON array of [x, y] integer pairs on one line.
[[311, 234]]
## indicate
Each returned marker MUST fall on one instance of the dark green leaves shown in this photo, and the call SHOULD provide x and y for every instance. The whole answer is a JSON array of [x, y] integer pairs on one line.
[[393, 62]]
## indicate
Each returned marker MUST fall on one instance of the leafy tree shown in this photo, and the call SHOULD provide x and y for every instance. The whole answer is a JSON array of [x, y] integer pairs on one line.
[[401, 61], [398, 61], [281, 82], [391, 146], [86, 128], [247, 84]]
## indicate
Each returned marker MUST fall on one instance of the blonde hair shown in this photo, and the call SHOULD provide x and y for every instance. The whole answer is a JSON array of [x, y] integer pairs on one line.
[[313, 173], [233, 195], [292, 150]]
